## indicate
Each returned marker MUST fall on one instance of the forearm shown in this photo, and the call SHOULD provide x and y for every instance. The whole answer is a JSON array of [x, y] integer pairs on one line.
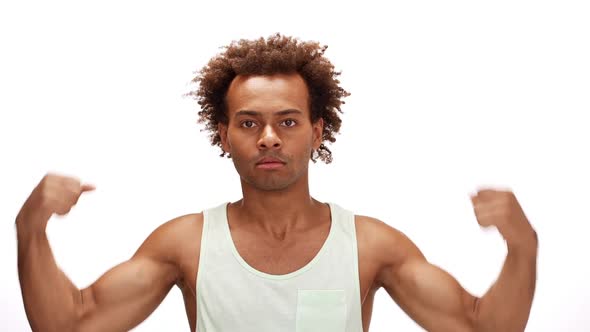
[[50, 298], [507, 304]]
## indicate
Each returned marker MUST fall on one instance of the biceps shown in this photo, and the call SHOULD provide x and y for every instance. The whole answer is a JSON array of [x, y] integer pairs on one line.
[[125, 295], [432, 297]]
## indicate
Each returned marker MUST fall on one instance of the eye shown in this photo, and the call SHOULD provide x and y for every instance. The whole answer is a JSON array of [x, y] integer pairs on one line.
[[247, 124], [290, 122]]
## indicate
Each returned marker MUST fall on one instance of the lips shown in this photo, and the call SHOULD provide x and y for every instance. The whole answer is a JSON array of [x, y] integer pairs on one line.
[[269, 163], [269, 160]]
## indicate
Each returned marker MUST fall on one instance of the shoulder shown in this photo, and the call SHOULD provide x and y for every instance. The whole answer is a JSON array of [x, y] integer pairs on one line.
[[378, 234], [387, 246], [174, 239], [179, 227]]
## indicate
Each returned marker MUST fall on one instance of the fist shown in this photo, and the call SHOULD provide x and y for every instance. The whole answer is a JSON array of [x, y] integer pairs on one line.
[[502, 210], [54, 194]]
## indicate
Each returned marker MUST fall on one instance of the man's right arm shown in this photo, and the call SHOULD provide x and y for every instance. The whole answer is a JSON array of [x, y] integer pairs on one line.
[[118, 301]]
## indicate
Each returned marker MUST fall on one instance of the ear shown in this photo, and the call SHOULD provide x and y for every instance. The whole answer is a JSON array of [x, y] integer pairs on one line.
[[318, 130], [222, 129]]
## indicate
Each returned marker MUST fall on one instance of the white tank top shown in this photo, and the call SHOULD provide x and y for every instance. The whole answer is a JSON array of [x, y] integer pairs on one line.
[[324, 295]]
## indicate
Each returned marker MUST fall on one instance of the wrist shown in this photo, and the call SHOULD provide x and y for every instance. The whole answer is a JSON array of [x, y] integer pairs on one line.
[[525, 241], [31, 224]]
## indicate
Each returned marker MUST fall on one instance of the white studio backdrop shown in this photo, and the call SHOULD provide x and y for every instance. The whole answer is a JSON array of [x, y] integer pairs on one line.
[[446, 96]]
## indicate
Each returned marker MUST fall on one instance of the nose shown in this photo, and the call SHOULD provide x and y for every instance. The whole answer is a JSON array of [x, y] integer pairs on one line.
[[269, 139]]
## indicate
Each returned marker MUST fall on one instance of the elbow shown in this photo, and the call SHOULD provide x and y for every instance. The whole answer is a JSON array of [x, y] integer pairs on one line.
[[67, 323], [488, 321], [56, 322], [477, 319], [72, 325], [57, 325]]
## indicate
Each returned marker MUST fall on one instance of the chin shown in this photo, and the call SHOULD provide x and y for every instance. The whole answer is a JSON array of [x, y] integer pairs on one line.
[[271, 185]]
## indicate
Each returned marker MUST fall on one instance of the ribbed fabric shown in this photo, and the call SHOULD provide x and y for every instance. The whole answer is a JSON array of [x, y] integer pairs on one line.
[[322, 296]]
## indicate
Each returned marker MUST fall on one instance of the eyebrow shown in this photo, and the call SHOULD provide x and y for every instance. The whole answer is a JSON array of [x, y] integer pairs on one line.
[[279, 113]]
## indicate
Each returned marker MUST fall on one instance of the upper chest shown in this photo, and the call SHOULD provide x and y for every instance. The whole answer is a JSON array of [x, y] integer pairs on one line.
[[276, 257]]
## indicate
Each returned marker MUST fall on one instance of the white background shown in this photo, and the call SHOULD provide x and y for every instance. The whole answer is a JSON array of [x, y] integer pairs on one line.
[[446, 96]]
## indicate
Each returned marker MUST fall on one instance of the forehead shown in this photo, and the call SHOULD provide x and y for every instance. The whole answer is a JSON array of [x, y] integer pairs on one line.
[[268, 93]]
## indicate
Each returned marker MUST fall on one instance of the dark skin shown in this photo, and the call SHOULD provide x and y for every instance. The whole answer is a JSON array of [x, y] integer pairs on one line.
[[277, 228]]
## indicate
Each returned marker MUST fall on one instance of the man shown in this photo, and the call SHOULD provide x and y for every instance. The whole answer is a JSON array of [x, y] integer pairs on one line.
[[277, 259]]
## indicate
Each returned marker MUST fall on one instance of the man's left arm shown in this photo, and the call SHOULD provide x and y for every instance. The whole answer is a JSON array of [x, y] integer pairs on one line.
[[507, 304], [436, 301]]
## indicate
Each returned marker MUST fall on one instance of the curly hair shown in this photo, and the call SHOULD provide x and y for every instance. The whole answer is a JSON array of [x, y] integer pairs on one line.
[[277, 54]]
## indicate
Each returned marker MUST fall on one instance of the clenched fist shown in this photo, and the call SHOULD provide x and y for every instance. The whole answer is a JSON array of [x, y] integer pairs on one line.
[[502, 210], [54, 194]]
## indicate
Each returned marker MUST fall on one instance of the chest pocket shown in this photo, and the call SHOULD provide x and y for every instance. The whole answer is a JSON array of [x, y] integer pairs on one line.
[[321, 310]]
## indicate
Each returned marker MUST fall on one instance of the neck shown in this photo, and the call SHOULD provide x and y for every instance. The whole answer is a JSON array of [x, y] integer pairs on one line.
[[279, 211]]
